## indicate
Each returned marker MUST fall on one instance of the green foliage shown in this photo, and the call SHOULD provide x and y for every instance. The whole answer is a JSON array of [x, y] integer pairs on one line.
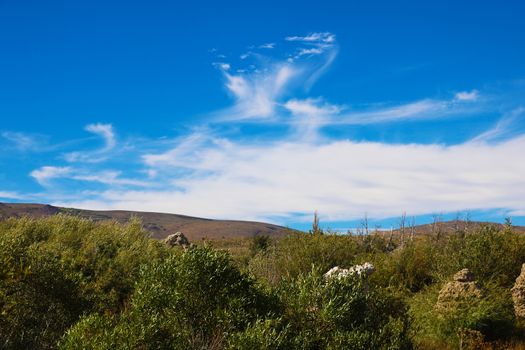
[[38, 302], [87, 285], [269, 334], [345, 313], [55, 269], [296, 253], [490, 254], [259, 244], [407, 269], [186, 301], [491, 316], [92, 332]]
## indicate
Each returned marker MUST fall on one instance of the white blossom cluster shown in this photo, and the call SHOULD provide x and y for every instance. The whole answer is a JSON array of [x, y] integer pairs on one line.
[[359, 270]]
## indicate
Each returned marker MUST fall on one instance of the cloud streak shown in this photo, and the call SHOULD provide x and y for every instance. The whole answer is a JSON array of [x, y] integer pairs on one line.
[[47, 174], [503, 127], [10, 195], [104, 131]]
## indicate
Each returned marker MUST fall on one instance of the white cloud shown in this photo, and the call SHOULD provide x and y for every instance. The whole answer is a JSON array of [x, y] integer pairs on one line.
[[256, 94], [259, 89], [467, 95], [309, 116], [312, 51], [311, 106], [109, 178], [10, 195], [426, 109], [341, 179], [325, 37], [502, 127], [21, 141], [105, 131], [222, 65], [267, 46], [45, 174], [182, 155], [316, 44]]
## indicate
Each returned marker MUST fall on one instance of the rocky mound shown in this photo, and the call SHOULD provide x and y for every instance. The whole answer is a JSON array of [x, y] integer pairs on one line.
[[518, 294], [177, 239], [462, 288]]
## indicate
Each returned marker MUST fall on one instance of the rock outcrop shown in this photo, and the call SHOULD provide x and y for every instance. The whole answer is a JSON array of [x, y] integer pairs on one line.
[[462, 288], [177, 239], [518, 294]]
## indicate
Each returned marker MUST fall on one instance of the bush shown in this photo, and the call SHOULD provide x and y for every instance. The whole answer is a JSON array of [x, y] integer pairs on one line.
[[187, 301], [297, 252], [492, 317], [259, 244], [492, 255], [38, 302], [55, 269], [408, 269], [270, 334], [343, 313]]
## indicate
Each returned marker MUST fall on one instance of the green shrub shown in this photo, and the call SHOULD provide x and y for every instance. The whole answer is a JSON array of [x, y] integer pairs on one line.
[[38, 302], [491, 316], [270, 334], [490, 254], [408, 269], [297, 252], [343, 313], [187, 301], [92, 332], [55, 269], [259, 244]]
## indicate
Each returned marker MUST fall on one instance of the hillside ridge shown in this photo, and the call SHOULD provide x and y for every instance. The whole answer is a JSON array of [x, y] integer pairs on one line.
[[159, 224]]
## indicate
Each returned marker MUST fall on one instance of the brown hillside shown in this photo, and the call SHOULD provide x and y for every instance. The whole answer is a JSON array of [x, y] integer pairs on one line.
[[159, 224]]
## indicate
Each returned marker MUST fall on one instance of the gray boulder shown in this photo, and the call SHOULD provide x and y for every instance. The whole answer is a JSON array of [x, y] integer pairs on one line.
[[177, 239]]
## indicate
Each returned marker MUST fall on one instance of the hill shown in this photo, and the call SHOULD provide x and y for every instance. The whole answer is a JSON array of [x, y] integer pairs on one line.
[[159, 224], [450, 227]]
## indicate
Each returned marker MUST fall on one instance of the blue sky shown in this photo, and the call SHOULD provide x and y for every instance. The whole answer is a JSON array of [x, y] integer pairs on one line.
[[266, 111]]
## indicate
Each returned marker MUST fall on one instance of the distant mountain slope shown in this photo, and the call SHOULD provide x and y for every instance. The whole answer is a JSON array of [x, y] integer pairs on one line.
[[452, 226], [159, 224]]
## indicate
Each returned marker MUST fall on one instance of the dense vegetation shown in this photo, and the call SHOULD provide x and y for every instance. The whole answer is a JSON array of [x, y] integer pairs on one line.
[[69, 283]]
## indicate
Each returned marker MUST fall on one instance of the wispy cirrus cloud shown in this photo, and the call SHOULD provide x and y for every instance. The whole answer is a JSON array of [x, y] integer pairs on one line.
[[47, 174], [262, 93], [104, 131], [267, 46], [260, 87], [467, 95], [11, 195], [325, 37], [256, 95], [27, 142], [504, 128], [21, 141]]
